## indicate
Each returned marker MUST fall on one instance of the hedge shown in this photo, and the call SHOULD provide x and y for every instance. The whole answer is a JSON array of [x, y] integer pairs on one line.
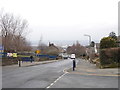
[[110, 56], [107, 42]]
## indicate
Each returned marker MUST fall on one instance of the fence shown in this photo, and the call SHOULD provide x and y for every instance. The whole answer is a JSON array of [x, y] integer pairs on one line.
[[3, 54], [27, 59], [47, 56]]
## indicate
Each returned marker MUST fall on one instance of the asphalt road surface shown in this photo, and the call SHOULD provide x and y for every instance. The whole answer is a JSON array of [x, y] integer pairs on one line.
[[39, 76], [51, 75], [86, 81]]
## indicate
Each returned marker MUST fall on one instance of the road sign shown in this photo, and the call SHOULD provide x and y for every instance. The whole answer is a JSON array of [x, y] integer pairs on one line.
[[9, 54], [38, 51], [14, 54]]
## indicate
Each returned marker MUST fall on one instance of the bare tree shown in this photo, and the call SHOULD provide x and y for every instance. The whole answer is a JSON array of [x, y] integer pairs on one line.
[[13, 30], [41, 46]]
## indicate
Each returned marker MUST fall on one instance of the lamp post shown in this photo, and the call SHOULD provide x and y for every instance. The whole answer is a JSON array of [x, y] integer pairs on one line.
[[89, 38], [91, 48]]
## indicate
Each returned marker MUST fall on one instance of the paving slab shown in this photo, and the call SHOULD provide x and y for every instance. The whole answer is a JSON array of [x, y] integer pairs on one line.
[[87, 68]]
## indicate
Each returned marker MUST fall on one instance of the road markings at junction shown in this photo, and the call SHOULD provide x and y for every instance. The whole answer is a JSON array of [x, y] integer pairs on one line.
[[57, 79]]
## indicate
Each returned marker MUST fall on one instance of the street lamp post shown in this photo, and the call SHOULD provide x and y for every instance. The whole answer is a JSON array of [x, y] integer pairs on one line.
[[89, 38], [89, 54]]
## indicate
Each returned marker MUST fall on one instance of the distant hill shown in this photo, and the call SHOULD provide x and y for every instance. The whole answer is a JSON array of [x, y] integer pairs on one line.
[[62, 42]]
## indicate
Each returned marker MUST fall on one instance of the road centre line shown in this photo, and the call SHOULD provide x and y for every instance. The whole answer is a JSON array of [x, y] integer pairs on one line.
[[57, 79], [65, 72]]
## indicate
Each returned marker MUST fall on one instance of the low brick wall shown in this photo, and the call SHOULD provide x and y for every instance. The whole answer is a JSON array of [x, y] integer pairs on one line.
[[9, 61]]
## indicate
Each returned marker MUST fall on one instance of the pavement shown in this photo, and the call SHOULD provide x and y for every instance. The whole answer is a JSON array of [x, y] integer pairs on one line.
[[84, 67], [87, 75], [27, 64]]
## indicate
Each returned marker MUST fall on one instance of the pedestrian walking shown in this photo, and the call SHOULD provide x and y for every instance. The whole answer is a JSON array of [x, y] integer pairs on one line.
[[31, 58]]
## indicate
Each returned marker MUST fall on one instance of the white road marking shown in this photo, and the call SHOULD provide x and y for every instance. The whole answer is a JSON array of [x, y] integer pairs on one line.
[[65, 72], [57, 79]]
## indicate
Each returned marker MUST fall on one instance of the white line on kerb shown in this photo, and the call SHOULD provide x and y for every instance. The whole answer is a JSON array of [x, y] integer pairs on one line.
[[57, 79]]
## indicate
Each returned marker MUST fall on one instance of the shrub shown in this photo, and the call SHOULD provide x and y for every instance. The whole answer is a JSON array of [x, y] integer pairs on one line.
[[110, 56], [107, 42]]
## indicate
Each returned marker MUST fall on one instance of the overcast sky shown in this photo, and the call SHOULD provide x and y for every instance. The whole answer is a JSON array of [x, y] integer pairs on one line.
[[66, 19]]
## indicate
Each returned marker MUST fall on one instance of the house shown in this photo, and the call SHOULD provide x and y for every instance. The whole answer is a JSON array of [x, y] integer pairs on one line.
[[118, 40], [52, 49], [52, 46], [97, 46], [92, 52]]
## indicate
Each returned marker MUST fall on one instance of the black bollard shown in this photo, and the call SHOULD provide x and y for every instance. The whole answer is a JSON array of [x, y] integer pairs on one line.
[[19, 63], [74, 65]]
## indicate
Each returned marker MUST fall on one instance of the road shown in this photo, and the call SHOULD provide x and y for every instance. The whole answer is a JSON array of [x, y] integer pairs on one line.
[[86, 81], [51, 75], [39, 76]]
